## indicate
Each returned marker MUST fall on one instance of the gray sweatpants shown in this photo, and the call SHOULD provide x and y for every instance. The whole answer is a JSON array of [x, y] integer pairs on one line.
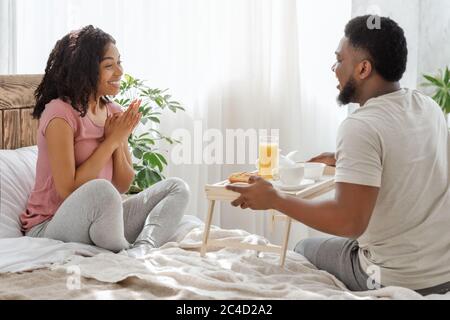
[[95, 214], [339, 256]]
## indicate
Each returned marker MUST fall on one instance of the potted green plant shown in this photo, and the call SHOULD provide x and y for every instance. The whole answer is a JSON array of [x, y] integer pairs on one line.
[[148, 161], [441, 94]]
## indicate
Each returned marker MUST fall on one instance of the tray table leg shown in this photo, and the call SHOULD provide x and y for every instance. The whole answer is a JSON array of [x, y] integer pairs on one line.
[[285, 242], [207, 228], [272, 221]]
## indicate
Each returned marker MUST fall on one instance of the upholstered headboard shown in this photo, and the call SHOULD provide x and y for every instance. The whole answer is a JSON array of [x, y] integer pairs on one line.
[[17, 126]]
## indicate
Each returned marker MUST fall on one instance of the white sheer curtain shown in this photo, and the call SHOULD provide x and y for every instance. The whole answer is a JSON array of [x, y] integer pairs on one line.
[[7, 37], [249, 64]]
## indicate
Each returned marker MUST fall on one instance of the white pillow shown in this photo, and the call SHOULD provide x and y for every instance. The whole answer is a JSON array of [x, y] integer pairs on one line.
[[17, 174]]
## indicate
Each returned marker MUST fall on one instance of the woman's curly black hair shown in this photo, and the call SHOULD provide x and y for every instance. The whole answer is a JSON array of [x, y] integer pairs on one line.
[[386, 45], [72, 70]]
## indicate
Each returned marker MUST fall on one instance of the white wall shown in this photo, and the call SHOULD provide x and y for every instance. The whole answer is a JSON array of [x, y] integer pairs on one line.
[[427, 29], [434, 44], [406, 13]]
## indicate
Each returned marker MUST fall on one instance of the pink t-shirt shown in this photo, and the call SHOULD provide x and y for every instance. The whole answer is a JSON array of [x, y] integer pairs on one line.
[[44, 199]]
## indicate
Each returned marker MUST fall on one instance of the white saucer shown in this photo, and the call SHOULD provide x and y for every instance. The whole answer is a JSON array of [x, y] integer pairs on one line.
[[305, 183]]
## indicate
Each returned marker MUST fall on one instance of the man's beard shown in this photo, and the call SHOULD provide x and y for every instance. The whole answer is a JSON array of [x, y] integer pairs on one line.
[[347, 93]]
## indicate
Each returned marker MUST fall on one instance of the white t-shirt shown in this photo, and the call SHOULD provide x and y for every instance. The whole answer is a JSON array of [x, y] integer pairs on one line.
[[400, 143]]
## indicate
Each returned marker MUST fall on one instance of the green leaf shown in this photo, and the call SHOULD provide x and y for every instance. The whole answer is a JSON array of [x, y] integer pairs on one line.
[[440, 100], [168, 140], [437, 98], [427, 84], [137, 153], [155, 177], [144, 147], [435, 81], [149, 141], [134, 189], [141, 177], [145, 112], [128, 78], [143, 134], [174, 106], [154, 160], [154, 119], [122, 102], [161, 158], [447, 77], [444, 101], [147, 177], [144, 104], [143, 92], [159, 101], [436, 95]]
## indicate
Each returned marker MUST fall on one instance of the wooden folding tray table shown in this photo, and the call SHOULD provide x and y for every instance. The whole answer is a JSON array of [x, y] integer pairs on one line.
[[218, 192]]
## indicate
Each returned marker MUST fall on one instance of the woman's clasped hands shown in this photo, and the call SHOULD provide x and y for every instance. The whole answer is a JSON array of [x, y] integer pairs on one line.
[[120, 125]]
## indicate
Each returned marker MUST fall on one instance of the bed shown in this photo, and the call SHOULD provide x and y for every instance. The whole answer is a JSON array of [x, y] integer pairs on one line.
[[49, 269]]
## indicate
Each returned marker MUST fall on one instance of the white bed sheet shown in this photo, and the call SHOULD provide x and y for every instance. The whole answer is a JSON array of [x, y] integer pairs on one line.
[[26, 253], [177, 271]]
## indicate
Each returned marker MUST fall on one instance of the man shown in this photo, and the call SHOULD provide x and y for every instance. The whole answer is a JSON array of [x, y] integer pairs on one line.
[[391, 210]]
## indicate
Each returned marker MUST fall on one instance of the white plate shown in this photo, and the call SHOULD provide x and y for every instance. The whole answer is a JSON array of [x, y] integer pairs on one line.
[[305, 183]]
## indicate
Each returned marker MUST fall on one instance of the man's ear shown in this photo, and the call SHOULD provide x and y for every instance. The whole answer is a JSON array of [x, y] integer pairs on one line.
[[364, 69]]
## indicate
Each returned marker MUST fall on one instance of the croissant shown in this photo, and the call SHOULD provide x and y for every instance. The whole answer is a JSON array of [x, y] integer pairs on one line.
[[240, 177]]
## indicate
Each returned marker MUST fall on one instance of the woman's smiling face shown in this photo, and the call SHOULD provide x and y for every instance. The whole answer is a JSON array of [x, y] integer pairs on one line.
[[110, 72]]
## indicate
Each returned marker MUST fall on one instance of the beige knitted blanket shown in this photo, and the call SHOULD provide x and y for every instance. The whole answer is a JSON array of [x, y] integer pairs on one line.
[[176, 271]]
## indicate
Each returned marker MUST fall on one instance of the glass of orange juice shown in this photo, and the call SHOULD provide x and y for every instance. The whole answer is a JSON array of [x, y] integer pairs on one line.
[[269, 154]]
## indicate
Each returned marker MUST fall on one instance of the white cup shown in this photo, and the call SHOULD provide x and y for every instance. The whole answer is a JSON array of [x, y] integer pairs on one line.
[[292, 176], [314, 170]]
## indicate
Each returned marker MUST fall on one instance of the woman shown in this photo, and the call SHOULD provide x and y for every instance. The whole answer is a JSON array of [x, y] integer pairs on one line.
[[83, 159]]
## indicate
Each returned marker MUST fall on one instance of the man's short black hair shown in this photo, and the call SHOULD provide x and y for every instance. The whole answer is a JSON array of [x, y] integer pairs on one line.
[[384, 41]]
